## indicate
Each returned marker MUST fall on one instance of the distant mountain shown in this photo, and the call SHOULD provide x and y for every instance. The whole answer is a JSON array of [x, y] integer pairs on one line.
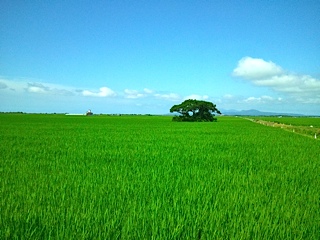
[[254, 112]]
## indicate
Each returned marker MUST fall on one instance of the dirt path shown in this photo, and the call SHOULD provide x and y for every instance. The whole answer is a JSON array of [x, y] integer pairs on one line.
[[310, 131]]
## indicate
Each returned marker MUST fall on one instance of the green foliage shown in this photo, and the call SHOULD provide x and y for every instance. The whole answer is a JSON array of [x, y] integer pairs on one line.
[[74, 177], [192, 110]]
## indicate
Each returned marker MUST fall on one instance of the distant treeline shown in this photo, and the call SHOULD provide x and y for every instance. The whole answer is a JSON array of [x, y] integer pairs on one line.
[[12, 113]]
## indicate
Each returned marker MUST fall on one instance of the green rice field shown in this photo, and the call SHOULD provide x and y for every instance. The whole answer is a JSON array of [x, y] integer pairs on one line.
[[146, 177], [307, 126], [295, 121]]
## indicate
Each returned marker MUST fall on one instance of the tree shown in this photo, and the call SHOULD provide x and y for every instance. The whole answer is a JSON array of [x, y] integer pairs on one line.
[[192, 110]]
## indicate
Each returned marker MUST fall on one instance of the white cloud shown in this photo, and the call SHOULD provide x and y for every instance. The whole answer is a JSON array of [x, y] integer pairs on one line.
[[256, 68], [267, 98], [262, 99], [268, 74], [148, 91], [103, 92], [133, 93], [169, 96], [228, 96], [252, 99], [197, 97], [46, 88], [37, 88]]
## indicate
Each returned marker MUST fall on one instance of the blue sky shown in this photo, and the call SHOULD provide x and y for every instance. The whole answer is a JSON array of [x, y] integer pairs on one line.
[[145, 56]]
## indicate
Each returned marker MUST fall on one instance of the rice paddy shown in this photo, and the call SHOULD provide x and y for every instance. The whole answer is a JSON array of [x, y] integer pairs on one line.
[[309, 127], [146, 177]]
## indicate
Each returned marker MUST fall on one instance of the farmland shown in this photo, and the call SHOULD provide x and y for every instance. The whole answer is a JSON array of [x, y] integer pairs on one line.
[[146, 177], [296, 121], [306, 126]]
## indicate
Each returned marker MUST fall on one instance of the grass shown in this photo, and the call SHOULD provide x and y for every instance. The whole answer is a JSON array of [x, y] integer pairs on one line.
[[146, 177]]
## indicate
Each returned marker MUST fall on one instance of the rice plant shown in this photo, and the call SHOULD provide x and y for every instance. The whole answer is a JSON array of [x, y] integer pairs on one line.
[[146, 177]]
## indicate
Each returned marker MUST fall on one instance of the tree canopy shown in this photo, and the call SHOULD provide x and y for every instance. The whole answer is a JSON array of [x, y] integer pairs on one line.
[[192, 110]]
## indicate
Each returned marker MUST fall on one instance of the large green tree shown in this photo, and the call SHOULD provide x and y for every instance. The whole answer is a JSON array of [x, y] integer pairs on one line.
[[192, 110]]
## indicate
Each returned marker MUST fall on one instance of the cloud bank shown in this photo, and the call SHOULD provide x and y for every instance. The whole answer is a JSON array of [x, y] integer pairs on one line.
[[268, 74], [44, 89]]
